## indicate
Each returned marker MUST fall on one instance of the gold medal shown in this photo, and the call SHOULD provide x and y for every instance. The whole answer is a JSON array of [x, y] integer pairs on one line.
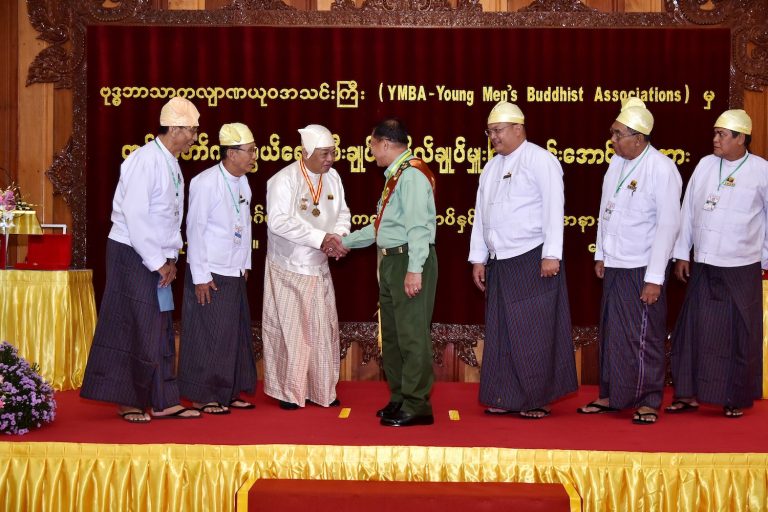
[[315, 212]]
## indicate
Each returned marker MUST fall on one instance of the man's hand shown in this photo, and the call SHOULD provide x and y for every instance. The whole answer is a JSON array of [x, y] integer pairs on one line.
[[167, 273], [600, 269], [682, 270], [478, 275], [203, 292], [650, 293], [333, 247], [549, 267], [412, 284]]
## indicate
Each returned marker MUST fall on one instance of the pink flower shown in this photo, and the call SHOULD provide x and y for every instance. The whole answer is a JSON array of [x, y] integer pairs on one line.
[[8, 200]]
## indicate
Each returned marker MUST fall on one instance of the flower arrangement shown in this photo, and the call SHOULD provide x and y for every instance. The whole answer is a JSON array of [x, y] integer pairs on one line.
[[26, 400], [7, 205], [11, 202]]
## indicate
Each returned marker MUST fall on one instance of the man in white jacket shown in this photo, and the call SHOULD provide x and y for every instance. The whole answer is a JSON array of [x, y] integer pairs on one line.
[[639, 220], [306, 211], [216, 360], [133, 352], [717, 342]]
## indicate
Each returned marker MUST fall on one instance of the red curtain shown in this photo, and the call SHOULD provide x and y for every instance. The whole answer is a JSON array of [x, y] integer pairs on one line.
[[405, 72]]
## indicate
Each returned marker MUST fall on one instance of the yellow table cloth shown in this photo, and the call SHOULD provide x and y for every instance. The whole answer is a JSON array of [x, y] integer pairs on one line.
[[25, 223], [49, 316]]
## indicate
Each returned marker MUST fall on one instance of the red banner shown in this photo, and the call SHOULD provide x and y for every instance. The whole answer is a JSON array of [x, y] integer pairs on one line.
[[441, 82]]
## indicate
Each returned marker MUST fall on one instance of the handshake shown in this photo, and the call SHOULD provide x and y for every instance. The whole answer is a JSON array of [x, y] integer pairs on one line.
[[333, 247]]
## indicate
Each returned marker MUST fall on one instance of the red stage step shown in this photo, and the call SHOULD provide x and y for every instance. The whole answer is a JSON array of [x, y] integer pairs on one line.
[[372, 496]]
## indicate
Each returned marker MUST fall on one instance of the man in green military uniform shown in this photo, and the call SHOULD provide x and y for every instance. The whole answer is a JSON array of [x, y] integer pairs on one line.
[[404, 233]]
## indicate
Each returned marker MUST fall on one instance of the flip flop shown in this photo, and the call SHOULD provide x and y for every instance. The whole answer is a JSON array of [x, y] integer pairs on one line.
[[237, 403], [732, 412], [499, 412], [524, 414], [683, 406], [644, 418], [178, 415], [601, 409], [214, 408], [138, 416]]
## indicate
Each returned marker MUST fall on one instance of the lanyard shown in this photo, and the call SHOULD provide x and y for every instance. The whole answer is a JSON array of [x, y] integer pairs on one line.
[[226, 181], [315, 194], [176, 182], [624, 178], [720, 172]]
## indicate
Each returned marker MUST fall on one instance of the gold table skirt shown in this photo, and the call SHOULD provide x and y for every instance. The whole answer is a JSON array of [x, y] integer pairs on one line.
[[25, 223], [63, 477], [49, 316]]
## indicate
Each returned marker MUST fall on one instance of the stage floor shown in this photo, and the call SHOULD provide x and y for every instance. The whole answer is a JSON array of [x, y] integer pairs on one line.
[[706, 431]]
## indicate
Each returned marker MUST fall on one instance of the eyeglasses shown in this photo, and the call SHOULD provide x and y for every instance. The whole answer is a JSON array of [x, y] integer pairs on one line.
[[615, 134], [496, 131], [249, 150], [190, 129]]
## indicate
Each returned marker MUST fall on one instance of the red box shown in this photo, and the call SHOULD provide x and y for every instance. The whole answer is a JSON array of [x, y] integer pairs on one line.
[[48, 252]]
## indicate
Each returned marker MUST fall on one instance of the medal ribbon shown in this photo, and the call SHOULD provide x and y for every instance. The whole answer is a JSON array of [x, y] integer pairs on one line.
[[720, 172], [315, 195], [623, 179]]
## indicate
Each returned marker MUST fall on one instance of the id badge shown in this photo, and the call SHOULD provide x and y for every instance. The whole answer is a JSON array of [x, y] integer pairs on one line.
[[711, 202], [609, 210], [238, 235]]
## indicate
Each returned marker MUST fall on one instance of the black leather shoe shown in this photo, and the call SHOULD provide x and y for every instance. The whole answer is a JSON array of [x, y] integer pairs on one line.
[[389, 409], [404, 419], [288, 406]]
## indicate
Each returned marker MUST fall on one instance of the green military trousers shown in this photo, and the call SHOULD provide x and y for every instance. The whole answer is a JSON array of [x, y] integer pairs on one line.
[[405, 328]]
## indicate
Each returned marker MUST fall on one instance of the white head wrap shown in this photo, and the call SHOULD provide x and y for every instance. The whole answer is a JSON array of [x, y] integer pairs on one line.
[[179, 112], [506, 112], [634, 115], [235, 134], [316, 136], [736, 120]]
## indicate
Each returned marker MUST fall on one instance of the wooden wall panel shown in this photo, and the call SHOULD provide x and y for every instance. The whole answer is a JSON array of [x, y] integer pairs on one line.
[[35, 123], [9, 59], [756, 105], [643, 6], [189, 5]]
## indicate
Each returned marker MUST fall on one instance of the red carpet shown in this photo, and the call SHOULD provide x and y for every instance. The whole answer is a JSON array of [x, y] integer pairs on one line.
[[707, 431]]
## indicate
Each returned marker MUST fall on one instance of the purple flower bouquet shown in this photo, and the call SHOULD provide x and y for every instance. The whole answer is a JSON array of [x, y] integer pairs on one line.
[[26, 400]]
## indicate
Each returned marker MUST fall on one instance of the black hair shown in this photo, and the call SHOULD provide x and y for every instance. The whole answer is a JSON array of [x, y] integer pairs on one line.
[[747, 138], [391, 129]]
